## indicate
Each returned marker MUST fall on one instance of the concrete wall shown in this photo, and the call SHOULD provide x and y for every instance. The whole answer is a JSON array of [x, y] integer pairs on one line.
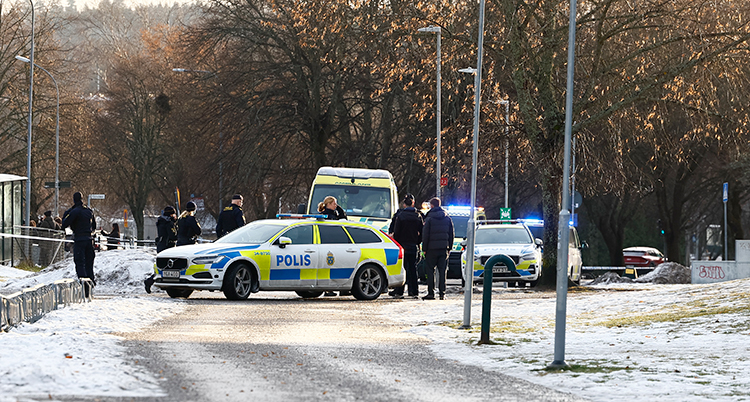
[[720, 271]]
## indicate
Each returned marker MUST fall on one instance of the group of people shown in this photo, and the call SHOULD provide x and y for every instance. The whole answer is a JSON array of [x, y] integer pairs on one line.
[[433, 232], [172, 230]]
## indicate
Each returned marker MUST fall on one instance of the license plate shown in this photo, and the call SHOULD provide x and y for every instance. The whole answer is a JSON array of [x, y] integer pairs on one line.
[[170, 274], [499, 269]]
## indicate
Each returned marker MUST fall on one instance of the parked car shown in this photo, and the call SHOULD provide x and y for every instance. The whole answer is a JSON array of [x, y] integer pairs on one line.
[[643, 257]]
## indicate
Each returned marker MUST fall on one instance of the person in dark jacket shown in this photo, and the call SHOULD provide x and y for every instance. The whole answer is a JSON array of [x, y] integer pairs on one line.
[[407, 231], [48, 222], [81, 220], [188, 228], [166, 231], [231, 217], [166, 237], [437, 239], [113, 237], [331, 208]]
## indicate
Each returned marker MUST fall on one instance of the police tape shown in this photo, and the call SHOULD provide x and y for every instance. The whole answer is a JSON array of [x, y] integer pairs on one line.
[[16, 236]]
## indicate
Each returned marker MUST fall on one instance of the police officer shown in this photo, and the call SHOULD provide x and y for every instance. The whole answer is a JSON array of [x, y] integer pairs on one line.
[[231, 217], [188, 228], [166, 232], [407, 231], [81, 220]]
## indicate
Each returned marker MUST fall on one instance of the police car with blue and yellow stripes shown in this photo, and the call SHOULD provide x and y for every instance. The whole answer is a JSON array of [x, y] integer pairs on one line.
[[308, 256]]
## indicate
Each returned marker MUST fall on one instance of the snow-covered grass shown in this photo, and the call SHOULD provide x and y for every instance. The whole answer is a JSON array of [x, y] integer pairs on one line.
[[623, 341]]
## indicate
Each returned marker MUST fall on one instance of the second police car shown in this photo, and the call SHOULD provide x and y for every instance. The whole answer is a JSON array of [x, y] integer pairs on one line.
[[308, 256], [511, 238]]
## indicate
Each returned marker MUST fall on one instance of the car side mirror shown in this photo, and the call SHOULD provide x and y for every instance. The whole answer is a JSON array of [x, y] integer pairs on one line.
[[283, 241], [538, 242], [463, 243], [584, 245]]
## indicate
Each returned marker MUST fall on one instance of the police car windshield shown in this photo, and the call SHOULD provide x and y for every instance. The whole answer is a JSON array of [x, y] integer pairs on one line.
[[252, 233], [355, 200], [503, 235], [459, 225]]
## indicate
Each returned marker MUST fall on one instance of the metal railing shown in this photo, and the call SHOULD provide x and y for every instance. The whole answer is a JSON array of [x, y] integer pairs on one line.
[[31, 304]]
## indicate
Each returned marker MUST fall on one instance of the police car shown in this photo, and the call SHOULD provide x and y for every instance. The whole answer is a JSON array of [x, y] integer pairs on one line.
[[307, 256], [513, 239]]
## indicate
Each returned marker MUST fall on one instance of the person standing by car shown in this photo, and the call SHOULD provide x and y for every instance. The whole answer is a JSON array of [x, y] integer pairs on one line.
[[231, 217], [81, 220], [166, 231], [166, 237], [407, 231], [437, 239], [331, 209], [188, 228]]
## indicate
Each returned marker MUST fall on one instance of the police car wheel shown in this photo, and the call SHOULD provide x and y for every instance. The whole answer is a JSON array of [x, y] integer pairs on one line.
[[307, 294], [238, 282], [179, 293], [369, 282]]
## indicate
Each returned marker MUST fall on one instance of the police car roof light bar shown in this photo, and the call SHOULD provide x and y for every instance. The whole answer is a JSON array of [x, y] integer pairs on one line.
[[300, 216]]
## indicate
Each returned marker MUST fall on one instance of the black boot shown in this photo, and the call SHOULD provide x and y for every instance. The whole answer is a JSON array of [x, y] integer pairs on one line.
[[148, 283]]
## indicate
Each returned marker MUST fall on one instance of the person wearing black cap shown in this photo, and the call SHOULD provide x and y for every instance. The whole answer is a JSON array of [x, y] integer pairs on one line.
[[188, 228], [231, 217], [81, 220], [166, 231], [408, 196]]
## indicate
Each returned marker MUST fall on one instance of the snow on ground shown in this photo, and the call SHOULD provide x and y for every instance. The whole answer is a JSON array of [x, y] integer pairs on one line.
[[72, 351], [624, 341]]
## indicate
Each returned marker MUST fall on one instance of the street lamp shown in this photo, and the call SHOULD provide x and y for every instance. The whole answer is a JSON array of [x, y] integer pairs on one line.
[[28, 139], [57, 134], [437, 30], [221, 134], [471, 227], [507, 128]]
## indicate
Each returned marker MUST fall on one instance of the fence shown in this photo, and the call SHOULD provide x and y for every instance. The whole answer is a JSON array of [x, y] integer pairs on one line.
[[31, 304], [34, 246]]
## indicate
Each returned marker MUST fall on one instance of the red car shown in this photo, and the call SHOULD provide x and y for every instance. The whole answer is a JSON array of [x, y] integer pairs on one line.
[[643, 257]]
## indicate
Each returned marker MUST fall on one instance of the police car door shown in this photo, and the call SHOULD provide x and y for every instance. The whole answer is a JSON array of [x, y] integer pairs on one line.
[[294, 265], [338, 257]]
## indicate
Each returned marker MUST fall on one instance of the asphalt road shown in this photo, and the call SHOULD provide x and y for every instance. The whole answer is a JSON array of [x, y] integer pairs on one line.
[[278, 347]]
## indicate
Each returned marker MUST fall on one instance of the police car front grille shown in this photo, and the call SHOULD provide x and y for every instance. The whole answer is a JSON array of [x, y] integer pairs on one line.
[[487, 257], [177, 263]]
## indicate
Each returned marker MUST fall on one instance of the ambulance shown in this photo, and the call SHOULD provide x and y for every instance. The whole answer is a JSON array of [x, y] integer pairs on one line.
[[367, 195]]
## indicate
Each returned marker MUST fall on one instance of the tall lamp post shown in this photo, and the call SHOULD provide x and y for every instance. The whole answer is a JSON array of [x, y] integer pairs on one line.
[[438, 175], [57, 134], [28, 140], [507, 129], [221, 134]]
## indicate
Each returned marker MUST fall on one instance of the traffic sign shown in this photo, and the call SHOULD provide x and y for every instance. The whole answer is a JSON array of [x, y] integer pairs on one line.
[[443, 181], [504, 213], [62, 184], [726, 192], [96, 196]]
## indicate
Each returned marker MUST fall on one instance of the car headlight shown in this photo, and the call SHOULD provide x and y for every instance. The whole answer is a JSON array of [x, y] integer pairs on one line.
[[527, 257], [208, 260]]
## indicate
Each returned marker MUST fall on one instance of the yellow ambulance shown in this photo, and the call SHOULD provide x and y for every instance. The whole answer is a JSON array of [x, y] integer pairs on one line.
[[367, 195]]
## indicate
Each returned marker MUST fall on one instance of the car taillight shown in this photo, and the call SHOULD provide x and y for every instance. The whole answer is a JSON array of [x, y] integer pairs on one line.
[[400, 249]]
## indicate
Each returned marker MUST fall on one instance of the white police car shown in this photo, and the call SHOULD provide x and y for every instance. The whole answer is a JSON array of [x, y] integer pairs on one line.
[[307, 256], [513, 239]]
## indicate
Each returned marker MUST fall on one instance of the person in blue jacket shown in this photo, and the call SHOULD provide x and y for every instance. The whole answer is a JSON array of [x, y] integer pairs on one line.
[[80, 219], [231, 217]]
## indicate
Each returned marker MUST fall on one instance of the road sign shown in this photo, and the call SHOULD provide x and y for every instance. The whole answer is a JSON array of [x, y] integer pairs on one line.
[[726, 192], [96, 196], [62, 184], [443, 181], [504, 213]]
